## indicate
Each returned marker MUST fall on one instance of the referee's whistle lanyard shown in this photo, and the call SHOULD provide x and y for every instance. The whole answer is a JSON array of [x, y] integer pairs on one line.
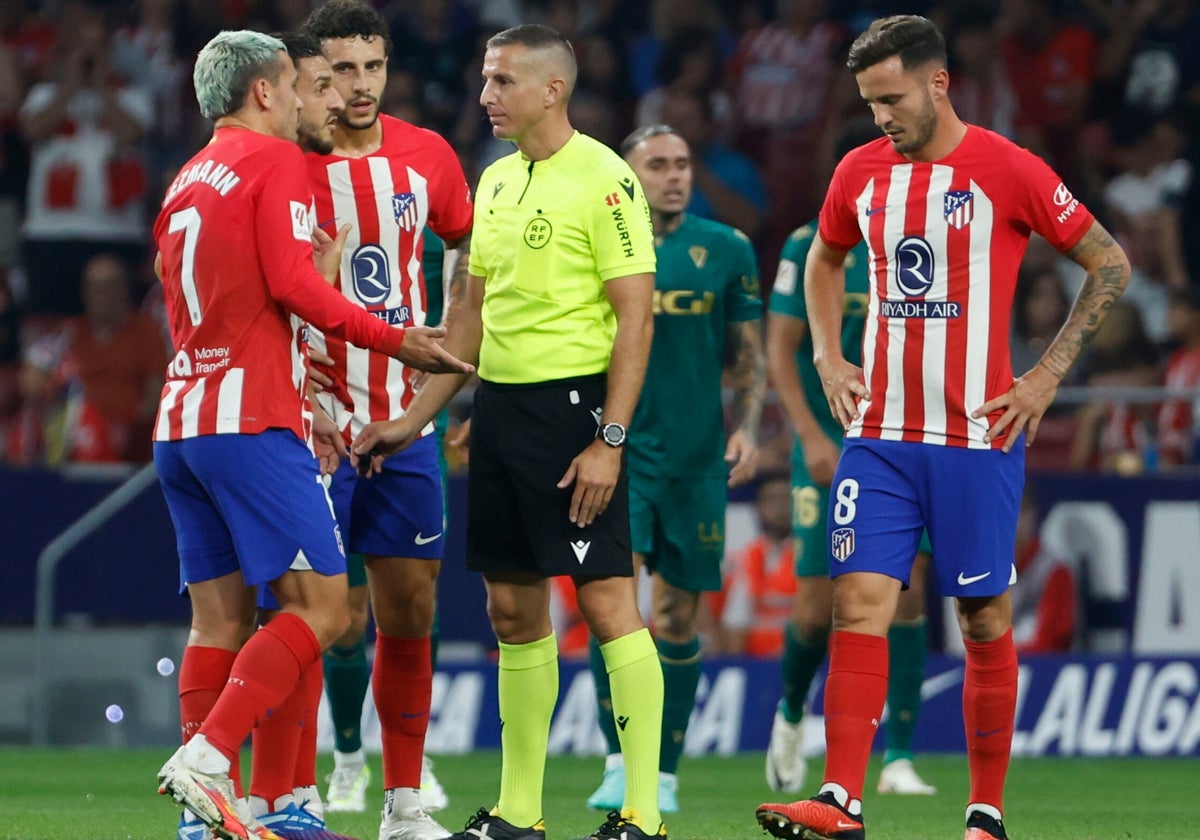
[[528, 181]]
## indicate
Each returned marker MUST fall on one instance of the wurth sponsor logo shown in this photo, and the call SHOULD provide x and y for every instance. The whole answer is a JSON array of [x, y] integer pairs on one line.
[[623, 232]]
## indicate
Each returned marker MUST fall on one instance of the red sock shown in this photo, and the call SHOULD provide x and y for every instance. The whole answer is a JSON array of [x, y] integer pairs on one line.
[[203, 672], [264, 674], [306, 756], [989, 706], [402, 684], [276, 746], [855, 692]]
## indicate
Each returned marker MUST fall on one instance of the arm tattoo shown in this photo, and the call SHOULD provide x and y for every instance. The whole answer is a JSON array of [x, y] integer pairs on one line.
[[1107, 276], [456, 289], [747, 374]]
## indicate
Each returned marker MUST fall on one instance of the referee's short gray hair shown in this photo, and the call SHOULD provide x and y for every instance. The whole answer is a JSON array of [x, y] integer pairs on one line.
[[227, 66], [639, 135]]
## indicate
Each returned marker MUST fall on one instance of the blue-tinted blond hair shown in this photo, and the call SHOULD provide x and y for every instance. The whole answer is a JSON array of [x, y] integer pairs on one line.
[[229, 64]]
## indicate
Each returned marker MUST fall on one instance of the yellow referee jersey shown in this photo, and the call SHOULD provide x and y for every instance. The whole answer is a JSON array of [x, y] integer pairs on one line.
[[547, 236]]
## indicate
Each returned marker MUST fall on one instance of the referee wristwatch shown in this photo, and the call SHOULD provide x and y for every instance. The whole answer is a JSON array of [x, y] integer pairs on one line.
[[613, 434]]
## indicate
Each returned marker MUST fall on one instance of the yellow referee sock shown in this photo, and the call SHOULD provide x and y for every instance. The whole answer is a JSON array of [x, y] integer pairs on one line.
[[637, 698], [528, 689]]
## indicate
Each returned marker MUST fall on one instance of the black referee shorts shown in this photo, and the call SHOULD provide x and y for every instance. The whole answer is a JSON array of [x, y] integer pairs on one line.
[[523, 438]]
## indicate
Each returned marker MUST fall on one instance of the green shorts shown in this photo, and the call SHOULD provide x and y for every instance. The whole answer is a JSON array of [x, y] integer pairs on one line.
[[810, 527], [678, 524]]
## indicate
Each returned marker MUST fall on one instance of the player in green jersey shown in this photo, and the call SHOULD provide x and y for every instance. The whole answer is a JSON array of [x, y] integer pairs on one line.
[[815, 452], [706, 321]]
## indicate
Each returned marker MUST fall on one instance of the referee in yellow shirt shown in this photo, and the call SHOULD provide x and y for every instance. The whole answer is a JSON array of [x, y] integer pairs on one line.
[[558, 317]]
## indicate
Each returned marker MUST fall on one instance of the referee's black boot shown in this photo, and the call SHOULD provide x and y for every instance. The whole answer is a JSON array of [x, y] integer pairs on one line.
[[618, 827], [484, 824]]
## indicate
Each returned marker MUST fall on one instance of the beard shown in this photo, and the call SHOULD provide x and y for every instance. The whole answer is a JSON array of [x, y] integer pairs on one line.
[[311, 140], [922, 130], [359, 123]]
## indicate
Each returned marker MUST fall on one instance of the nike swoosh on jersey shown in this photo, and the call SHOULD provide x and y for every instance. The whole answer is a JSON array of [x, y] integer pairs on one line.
[[420, 540], [963, 580], [872, 211]]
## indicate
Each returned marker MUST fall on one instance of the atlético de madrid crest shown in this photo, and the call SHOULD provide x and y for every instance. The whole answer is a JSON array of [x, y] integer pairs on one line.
[[404, 208], [958, 206]]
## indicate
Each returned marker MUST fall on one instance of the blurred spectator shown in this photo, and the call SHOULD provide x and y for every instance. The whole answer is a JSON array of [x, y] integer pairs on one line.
[[594, 116], [726, 185], [88, 180], [1141, 202], [1040, 308], [982, 93], [1051, 64], [1149, 54], [144, 54], [1179, 420], [604, 76], [433, 40], [691, 61], [28, 32], [793, 93], [752, 609], [96, 383], [668, 18], [1045, 601], [1118, 436]]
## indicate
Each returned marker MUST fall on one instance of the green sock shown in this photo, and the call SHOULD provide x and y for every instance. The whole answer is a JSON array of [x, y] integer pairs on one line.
[[347, 676], [528, 689], [637, 697], [604, 712], [906, 651], [802, 659], [681, 675]]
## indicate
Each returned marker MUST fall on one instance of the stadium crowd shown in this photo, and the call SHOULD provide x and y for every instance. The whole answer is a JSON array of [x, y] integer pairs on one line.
[[96, 117]]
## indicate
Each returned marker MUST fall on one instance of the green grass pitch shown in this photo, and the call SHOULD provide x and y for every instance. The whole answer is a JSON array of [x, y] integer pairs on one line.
[[109, 795]]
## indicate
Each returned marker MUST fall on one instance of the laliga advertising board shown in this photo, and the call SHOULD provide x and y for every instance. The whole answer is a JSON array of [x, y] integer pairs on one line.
[[1068, 706], [1135, 546]]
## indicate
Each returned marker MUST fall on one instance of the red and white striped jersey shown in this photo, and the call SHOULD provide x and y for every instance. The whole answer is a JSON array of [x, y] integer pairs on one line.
[[945, 241], [234, 235], [389, 197]]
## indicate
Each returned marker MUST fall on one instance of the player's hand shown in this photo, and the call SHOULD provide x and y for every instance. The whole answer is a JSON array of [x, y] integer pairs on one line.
[[378, 440], [1024, 404], [328, 442], [821, 455], [318, 370], [423, 350], [594, 473], [327, 252], [742, 456], [460, 438], [844, 388]]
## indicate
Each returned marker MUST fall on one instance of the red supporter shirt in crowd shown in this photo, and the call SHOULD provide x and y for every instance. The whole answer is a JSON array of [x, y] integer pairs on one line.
[[945, 240], [234, 235], [389, 197]]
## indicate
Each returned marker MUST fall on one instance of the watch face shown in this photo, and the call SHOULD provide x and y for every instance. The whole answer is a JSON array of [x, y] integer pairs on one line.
[[614, 434]]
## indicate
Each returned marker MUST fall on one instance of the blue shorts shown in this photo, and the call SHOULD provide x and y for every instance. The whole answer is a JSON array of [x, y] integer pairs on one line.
[[397, 513], [250, 502], [886, 492]]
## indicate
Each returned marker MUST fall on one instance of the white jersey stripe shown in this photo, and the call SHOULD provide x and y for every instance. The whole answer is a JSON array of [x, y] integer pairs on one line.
[[229, 401], [862, 205], [167, 405], [895, 218], [383, 187], [192, 399], [934, 363], [978, 317]]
